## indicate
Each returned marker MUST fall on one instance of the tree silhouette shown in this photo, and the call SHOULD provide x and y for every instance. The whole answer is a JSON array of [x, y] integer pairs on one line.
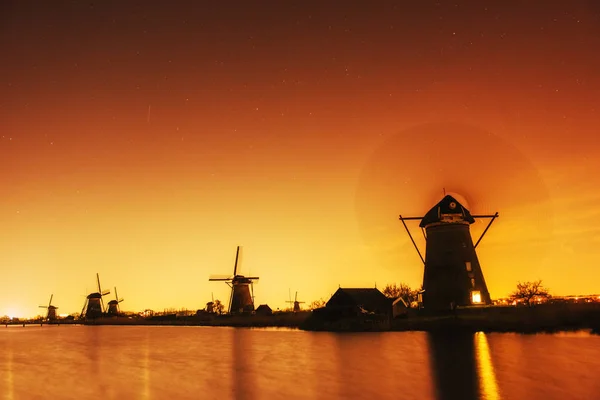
[[218, 307], [527, 291], [317, 304], [404, 291]]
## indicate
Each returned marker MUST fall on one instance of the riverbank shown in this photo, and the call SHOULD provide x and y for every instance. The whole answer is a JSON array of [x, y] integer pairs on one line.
[[537, 319], [282, 320]]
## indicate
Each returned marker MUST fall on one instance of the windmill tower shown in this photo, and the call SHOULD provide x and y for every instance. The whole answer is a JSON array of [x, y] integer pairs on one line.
[[113, 305], [241, 299], [94, 305], [51, 314], [452, 275], [295, 302]]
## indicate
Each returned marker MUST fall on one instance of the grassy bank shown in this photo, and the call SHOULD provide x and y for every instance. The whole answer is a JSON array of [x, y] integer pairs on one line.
[[540, 318], [283, 320]]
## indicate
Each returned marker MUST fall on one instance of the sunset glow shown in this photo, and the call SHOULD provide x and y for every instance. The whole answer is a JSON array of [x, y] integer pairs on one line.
[[146, 143]]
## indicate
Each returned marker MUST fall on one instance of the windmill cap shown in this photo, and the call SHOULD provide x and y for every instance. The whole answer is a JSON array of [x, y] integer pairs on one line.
[[448, 206]]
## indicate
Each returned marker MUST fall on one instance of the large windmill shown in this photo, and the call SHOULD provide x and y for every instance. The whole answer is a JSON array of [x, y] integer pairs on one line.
[[241, 299], [51, 314], [113, 305], [296, 307], [452, 275], [94, 305]]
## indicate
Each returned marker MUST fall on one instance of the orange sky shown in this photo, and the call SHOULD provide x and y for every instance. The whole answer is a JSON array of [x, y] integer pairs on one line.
[[147, 143]]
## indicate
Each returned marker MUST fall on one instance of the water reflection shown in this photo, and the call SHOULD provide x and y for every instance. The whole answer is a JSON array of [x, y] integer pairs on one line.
[[488, 385], [92, 348], [453, 362], [146, 367], [225, 363], [462, 366], [9, 389], [242, 371]]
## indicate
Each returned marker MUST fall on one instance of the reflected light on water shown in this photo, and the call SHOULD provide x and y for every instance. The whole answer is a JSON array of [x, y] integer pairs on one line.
[[488, 385], [9, 390], [146, 369]]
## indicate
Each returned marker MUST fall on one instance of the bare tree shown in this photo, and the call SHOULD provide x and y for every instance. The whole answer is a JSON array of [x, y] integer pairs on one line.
[[218, 307], [404, 291], [317, 304], [527, 291]]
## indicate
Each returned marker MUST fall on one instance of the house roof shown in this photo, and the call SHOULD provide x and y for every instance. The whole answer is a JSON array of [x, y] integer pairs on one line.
[[263, 307], [368, 298], [447, 206]]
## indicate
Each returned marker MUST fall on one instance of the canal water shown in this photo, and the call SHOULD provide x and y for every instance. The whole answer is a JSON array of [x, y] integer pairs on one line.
[[153, 362]]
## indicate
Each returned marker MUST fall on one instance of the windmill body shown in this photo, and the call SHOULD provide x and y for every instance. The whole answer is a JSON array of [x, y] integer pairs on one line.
[[241, 298], [94, 307], [242, 289], [296, 303], [113, 306], [94, 304], [51, 313], [452, 274]]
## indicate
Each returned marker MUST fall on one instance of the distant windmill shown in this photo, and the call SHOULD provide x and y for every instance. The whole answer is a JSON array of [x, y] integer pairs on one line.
[[452, 275], [295, 302], [242, 289], [51, 314], [94, 305], [113, 305], [210, 304]]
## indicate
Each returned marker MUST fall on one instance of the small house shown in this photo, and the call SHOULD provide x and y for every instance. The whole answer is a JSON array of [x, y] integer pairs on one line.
[[354, 301], [399, 308], [264, 309]]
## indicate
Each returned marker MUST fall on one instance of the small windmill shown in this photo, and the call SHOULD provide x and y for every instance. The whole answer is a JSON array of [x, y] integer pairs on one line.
[[295, 302], [93, 307], [241, 299], [51, 314], [113, 305], [210, 304]]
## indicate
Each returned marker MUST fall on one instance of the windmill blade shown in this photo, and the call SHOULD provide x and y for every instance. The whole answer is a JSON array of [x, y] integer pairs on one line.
[[220, 277], [252, 290], [230, 299], [98, 279], [50, 302], [290, 294], [43, 306], [252, 277], [83, 308], [296, 297], [105, 292], [116, 295], [237, 256]]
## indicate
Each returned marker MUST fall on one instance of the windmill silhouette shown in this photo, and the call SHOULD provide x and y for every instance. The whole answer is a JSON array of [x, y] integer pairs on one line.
[[452, 274], [241, 299], [51, 314], [93, 307], [113, 305], [296, 303]]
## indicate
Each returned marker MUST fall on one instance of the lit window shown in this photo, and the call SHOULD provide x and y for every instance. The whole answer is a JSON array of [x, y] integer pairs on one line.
[[468, 266], [472, 282], [475, 297]]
